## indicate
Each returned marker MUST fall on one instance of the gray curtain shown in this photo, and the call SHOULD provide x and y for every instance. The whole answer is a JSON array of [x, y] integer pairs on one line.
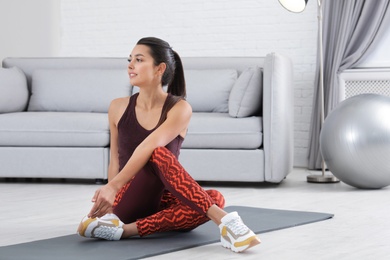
[[351, 30]]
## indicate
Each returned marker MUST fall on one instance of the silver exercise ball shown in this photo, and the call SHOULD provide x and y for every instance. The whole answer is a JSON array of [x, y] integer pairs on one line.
[[355, 141]]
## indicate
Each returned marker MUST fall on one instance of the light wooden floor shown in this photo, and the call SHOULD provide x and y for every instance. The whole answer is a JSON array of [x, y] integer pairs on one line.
[[359, 230]]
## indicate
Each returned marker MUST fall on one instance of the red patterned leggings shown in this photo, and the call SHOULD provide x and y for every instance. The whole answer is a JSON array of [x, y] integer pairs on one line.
[[164, 197]]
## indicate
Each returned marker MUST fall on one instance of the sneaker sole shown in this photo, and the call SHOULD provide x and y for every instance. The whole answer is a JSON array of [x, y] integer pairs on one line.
[[250, 242]]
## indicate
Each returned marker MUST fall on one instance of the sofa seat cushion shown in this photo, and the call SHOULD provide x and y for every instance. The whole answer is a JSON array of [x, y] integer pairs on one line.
[[221, 131], [54, 129]]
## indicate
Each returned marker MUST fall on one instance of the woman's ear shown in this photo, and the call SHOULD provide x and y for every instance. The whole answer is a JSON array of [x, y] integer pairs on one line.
[[161, 68]]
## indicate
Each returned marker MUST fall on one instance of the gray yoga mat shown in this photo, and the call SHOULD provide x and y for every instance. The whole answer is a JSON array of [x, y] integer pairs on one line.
[[260, 220]]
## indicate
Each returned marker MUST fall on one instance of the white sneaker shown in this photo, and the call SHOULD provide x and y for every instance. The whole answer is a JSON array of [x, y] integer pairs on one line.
[[108, 227], [235, 234]]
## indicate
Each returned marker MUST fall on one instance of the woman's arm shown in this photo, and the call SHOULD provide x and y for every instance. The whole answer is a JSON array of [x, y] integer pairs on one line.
[[113, 167], [177, 121]]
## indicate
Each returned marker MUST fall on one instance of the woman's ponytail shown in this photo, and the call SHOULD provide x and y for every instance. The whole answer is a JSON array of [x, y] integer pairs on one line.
[[173, 76], [177, 86]]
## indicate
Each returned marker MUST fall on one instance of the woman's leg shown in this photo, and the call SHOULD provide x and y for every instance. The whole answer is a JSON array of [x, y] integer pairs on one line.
[[178, 182], [234, 233], [186, 209], [176, 216], [196, 207], [139, 198]]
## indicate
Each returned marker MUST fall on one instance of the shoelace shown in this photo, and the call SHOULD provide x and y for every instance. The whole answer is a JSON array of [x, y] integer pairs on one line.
[[105, 232], [237, 226]]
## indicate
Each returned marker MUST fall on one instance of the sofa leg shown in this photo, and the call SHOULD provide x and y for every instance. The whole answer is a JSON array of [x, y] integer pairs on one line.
[[99, 181]]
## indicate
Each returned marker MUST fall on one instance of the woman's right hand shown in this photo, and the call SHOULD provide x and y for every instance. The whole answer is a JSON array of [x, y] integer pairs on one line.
[[103, 200]]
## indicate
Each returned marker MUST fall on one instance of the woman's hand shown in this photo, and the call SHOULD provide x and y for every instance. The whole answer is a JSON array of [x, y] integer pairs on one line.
[[103, 200]]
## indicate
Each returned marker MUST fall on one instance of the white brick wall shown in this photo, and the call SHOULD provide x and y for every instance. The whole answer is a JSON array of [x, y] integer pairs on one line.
[[201, 28]]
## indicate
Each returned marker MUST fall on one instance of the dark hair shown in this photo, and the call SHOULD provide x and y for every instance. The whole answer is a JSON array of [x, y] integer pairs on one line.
[[173, 76]]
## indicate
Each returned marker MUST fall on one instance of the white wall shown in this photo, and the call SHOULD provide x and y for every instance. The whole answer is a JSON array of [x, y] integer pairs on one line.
[[193, 27], [29, 28], [201, 28]]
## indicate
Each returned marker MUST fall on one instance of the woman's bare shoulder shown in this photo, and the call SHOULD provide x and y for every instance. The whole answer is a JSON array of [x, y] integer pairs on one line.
[[184, 104], [118, 107], [182, 107], [119, 103]]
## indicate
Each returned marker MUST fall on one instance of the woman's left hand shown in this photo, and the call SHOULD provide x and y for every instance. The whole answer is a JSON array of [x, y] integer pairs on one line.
[[103, 200]]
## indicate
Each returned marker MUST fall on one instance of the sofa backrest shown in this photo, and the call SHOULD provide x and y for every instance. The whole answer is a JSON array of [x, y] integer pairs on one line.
[[208, 90], [213, 83], [73, 84], [77, 90], [241, 98]]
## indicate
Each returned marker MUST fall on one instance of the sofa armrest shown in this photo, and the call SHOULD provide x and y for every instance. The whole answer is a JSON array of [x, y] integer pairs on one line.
[[278, 113]]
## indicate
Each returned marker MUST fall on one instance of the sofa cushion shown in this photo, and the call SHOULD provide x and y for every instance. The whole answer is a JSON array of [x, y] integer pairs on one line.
[[77, 90], [208, 90], [221, 131], [54, 129], [245, 97], [13, 90]]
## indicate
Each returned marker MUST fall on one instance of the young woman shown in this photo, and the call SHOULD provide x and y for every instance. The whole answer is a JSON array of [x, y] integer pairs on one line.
[[148, 191]]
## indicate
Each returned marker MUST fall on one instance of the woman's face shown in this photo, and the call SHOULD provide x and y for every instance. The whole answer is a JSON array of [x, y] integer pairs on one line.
[[141, 68]]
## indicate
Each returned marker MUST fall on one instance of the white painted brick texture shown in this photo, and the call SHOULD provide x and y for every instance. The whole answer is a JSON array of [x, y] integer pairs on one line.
[[201, 28]]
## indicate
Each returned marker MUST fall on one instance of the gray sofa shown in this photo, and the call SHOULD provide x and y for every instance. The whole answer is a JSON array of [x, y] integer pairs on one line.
[[53, 117]]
